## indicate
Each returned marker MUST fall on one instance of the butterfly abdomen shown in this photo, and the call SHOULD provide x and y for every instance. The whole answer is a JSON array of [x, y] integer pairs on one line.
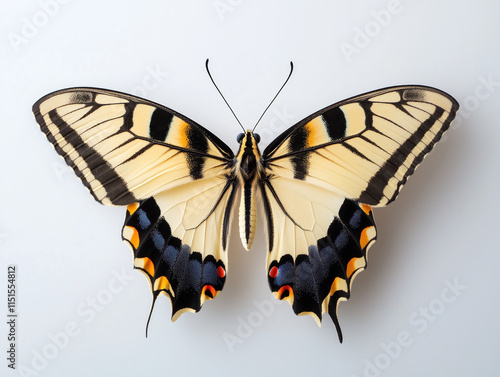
[[248, 215], [248, 170]]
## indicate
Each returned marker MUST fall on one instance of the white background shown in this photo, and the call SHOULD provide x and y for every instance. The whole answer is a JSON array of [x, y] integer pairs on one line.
[[442, 230]]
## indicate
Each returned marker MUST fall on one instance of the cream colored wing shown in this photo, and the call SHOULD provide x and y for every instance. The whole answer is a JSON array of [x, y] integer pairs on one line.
[[318, 242], [323, 175], [366, 147], [174, 175], [179, 238], [125, 148]]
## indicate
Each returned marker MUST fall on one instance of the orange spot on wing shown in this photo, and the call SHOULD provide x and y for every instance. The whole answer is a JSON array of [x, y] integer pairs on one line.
[[338, 284], [366, 208], [365, 239], [273, 272], [285, 292], [134, 237], [131, 208], [179, 130], [316, 132], [161, 283], [220, 272], [208, 291], [146, 264], [353, 265]]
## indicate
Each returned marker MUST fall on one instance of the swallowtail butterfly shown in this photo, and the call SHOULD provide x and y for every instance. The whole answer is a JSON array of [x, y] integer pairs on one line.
[[315, 184]]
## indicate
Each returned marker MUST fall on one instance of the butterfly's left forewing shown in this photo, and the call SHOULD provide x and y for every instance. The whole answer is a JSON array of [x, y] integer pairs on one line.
[[323, 175], [125, 148]]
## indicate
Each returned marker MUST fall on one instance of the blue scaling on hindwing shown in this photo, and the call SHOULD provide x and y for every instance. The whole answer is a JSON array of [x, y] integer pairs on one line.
[[311, 277], [189, 275]]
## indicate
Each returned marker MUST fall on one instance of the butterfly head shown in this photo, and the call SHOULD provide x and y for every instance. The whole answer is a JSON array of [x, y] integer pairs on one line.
[[248, 156], [248, 134]]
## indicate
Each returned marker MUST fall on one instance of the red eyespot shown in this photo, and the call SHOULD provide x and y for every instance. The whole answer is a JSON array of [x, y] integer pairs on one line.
[[284, 292], [221, 272], [208, 291], [274, 272]]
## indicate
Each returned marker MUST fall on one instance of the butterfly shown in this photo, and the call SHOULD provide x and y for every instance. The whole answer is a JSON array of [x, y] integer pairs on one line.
[[315, 184]]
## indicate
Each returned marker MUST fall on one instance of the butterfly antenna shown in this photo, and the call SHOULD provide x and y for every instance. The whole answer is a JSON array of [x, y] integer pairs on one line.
[[270, 103], [216, 87]]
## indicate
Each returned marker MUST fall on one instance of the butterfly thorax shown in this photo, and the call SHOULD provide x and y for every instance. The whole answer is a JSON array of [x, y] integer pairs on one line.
[[248, 169]]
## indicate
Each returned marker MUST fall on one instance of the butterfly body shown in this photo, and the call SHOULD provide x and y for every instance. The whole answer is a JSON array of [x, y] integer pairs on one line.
[[249, 171], [315, 184]]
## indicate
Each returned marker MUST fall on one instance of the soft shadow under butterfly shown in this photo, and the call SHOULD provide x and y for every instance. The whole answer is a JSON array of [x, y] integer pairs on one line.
[[316, 184]]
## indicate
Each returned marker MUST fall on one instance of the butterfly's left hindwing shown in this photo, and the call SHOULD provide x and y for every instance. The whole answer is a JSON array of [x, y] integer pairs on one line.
[[179, 239]]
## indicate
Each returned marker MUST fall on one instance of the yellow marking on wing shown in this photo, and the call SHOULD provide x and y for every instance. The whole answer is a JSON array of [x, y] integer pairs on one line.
[[161, 283], [353, 265], [178, 133], [355, 117], [312, 314], [141, 119], [316, 132], [366, 236], [145, 264], [104, 99], [338, 284], [131, 208], [130, 233], [179, 312], [390, 97]]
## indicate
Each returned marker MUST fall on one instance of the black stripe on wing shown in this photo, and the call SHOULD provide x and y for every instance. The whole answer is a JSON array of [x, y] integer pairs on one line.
[[374, 193], [117, 192]]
